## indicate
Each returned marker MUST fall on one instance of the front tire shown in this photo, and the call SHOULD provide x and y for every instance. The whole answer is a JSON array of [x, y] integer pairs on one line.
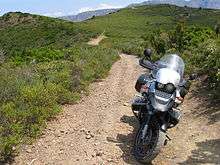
[[146, 150]]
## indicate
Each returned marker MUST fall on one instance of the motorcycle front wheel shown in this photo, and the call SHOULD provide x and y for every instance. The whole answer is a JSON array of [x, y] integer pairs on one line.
[[146, 150]]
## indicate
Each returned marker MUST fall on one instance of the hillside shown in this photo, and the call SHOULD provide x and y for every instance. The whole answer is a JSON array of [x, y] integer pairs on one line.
[[21, 31], [191, 32], [212, 4], [46, 62], [130, 28], [87, 15]]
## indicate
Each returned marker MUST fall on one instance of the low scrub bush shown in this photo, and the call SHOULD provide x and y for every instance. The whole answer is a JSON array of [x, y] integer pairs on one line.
[[31, 93], [199, 47]]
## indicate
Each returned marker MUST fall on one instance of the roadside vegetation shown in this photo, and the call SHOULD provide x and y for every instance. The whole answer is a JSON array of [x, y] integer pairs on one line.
[[192, 33], [45, 62], [199, 47]]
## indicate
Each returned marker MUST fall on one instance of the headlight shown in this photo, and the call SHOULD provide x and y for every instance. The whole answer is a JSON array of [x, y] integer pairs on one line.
[[160, 86], [170, 88]]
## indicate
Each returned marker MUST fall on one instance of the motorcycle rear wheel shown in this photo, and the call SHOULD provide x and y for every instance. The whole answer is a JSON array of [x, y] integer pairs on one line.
[[146, 150]]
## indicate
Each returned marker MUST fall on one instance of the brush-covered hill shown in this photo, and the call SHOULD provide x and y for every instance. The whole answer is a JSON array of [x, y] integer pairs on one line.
[[133, 24], [212, 4], [191, 32], [21, 31], [45, 62]]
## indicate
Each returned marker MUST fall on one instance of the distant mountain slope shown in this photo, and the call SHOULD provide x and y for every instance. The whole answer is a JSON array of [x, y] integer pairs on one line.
[[20, 31], [213, 4], [130, 27], [89, 14]]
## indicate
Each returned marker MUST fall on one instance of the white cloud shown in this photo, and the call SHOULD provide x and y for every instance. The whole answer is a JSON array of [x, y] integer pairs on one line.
[[55, 14], [99, 7], [71, 13], [108, 6], [84, 9]]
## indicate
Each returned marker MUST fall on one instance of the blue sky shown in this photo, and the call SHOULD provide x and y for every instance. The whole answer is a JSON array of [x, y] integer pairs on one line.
[[59, 8]]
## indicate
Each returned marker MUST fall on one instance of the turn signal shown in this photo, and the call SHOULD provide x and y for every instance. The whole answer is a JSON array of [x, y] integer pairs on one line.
[[144, 88]]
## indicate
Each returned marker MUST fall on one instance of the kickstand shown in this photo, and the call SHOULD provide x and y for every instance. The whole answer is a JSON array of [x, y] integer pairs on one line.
[[168, 138]]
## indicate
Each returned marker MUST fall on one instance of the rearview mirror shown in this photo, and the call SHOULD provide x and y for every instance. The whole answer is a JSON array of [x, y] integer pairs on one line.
[[148, 53]]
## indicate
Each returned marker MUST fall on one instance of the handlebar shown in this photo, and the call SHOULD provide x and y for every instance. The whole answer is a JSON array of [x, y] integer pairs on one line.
[[147, 64]]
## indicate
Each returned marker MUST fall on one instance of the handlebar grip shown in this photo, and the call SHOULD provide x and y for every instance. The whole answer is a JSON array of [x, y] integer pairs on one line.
[[146, 64]]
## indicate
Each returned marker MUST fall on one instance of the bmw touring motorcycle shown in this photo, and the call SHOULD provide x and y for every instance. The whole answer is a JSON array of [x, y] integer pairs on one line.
[[156, 107]]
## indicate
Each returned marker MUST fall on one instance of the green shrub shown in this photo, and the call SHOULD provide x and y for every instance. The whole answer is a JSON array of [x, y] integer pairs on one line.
[[207, 59], [32, 92]]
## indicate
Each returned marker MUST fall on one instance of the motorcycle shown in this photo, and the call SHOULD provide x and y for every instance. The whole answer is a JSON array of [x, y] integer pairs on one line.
[[156, 106]]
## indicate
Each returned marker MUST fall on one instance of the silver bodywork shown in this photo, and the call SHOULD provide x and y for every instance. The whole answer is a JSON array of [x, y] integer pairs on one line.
[[170, 69]]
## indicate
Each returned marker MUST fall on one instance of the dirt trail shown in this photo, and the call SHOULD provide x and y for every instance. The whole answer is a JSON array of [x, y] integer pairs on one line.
[[96, 41], [100, 129]]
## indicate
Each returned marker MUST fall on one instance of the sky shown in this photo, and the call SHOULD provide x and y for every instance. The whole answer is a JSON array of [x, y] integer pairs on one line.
[[55, 8]]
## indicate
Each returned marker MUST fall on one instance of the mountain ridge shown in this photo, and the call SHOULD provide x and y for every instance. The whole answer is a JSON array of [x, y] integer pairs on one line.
[[88, 15], [212, 4]]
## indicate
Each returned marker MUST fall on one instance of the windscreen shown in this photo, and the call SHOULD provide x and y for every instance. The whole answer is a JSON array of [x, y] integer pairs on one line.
[[173, 62]]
